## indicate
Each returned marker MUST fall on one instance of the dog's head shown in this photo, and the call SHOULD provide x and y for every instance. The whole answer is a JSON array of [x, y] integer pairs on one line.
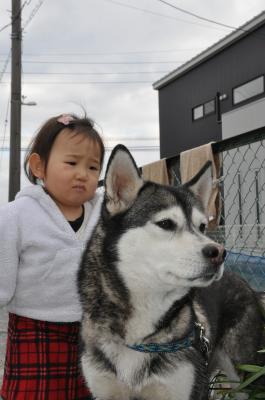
[[159, 231]]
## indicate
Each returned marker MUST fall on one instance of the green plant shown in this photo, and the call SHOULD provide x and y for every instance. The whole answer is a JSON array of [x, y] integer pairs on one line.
[[249, 384], [220, 387]]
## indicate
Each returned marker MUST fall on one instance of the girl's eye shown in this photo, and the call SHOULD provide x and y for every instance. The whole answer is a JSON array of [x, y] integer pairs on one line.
[[93, 168], [71, 162], [167, 224], [202, 228]]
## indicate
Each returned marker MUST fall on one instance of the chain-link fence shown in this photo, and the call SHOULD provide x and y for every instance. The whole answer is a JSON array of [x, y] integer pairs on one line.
[[242, 188]]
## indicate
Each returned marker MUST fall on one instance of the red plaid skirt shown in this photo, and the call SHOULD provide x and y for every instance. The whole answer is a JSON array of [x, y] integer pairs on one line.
[[42, 361]]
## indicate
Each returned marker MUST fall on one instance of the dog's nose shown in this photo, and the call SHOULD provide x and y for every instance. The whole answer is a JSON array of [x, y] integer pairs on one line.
[[216, 253]]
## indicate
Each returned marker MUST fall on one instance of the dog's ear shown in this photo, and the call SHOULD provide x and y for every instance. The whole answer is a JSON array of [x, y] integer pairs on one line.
[[202, 183], [122, 180]]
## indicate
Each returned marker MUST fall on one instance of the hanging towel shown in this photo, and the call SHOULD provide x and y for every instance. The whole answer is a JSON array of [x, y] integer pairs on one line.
[[190, 163], [156, 172]]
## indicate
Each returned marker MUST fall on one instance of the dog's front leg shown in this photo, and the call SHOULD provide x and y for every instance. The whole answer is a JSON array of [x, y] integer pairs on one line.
[[104, 385], [178, 385], [107, 388]]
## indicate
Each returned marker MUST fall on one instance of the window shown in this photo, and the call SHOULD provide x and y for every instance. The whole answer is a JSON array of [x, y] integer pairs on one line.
[[248, 90], [203, 110], [209, 107], [197, 112]]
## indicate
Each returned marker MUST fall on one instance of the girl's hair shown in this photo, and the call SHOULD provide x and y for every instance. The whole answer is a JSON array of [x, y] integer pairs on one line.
[[42, 143]]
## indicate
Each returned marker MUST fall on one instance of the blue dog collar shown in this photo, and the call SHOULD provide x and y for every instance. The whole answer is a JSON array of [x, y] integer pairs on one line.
[[171, 347]]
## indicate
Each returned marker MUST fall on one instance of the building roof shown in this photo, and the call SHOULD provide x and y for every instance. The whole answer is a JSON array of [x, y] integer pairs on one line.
[[227, 41]]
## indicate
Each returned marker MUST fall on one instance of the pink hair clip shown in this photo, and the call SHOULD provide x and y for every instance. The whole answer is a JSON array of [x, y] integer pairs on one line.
[[65, 119]]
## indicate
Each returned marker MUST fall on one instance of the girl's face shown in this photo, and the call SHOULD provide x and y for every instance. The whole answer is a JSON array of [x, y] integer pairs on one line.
[[72, 172]]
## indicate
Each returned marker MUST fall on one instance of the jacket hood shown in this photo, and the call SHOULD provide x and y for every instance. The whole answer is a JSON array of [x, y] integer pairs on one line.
[[36, 192], [33, 191]]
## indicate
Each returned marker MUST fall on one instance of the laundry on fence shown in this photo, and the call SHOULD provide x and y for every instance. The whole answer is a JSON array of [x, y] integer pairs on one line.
[[156, 172], [191, 162]]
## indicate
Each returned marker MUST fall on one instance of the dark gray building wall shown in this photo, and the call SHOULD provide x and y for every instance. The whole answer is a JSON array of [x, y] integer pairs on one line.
[[231, 67]]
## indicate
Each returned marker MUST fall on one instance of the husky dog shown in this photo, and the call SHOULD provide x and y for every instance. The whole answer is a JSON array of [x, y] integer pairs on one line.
[[159, 314]]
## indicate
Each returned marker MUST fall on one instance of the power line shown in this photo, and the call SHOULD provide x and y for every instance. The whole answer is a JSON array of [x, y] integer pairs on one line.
[[94, 73], [5, 26], [5, 65], [15, 17], [102, 63], [108, 53], [196, 15], [81, 83], [158, 14], [204, 18], [15, 128], [9, 54], [33, 13], [88, 83]]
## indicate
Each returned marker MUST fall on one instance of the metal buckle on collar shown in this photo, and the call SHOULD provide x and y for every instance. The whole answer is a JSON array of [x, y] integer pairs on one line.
[[204, 341]]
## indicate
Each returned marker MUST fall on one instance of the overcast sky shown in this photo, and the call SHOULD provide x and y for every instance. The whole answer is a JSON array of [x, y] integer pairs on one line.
[[104, 55]]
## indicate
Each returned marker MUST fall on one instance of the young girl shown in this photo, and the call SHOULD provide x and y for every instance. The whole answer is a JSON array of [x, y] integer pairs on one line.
[[42, 234]]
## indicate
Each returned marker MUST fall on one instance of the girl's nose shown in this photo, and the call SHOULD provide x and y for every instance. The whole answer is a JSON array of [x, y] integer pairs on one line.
[[82, 173]]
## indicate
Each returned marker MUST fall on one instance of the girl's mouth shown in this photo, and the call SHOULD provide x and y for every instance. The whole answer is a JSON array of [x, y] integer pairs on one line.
[[79, 188]]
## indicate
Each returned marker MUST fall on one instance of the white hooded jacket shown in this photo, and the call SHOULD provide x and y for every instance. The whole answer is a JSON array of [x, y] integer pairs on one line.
[[40, 255]]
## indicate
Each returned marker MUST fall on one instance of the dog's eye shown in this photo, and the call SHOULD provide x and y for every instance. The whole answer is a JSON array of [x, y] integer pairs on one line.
[[167, 224], [202, 228]]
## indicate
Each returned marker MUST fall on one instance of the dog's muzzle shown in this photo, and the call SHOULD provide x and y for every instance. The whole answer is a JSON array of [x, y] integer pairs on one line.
[[215, 255]]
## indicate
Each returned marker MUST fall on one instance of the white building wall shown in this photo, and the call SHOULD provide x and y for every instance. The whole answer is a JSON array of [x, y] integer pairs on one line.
[[243, 119]]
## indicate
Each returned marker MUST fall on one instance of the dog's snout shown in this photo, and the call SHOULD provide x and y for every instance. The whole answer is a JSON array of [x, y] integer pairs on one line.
[[216, 253]]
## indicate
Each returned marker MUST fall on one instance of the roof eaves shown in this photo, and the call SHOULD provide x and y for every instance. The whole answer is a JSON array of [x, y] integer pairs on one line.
[[212, 50]]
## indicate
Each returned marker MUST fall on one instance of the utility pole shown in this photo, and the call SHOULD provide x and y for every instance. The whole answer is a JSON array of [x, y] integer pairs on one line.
[[15, 125]]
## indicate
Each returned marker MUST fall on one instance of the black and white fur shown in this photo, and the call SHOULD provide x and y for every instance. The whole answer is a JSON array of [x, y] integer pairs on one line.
[[148, 275]]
